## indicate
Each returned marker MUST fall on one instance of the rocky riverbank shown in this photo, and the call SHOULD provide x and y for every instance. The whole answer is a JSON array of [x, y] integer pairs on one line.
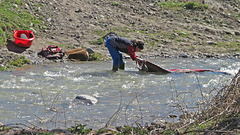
[[206, 29]]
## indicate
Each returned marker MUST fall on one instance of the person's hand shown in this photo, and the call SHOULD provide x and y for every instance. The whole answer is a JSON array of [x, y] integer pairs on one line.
[[141, 64], [138, 60]]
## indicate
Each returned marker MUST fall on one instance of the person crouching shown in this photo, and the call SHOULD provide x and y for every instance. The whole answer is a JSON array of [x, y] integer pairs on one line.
[[116, 45]]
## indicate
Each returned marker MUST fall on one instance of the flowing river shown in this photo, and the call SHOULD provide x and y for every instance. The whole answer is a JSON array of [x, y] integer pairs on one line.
[[44, 96]]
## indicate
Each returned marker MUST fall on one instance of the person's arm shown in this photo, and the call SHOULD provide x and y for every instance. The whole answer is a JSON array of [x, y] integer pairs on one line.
[[131, 52]]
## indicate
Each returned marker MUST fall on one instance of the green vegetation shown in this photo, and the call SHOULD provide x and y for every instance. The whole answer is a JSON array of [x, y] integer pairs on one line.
[[3, 68], [4, 128], [18, 2], [14, 61], [46, 134], [169, 132], [19, 62], [101, 131], [115, 4], [129, 130], [79, 129], [125, 130], [194, 6], [12, 17], [196, 127], [176, 35], [229, 46], [99, 41], [186, 5], [153, 37], [96, 56], [152, 44]]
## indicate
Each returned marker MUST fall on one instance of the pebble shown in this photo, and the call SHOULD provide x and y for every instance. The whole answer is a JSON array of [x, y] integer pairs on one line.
[[211, 42]]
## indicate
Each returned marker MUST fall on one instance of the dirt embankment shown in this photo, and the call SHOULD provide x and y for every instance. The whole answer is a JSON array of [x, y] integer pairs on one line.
[[167, 31]]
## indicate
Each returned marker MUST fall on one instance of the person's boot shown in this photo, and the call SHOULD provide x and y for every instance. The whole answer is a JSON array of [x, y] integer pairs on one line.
[[115, 68], [122, 66]]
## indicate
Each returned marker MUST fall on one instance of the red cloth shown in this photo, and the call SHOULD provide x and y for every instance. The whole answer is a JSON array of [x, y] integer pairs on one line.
[[190, 70], [131, 52]]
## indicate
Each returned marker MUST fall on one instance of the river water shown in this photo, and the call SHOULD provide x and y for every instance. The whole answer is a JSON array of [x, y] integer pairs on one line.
[[44, 96]]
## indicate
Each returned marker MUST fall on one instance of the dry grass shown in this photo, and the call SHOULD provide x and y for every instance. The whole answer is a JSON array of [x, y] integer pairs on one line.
[[221, 115]]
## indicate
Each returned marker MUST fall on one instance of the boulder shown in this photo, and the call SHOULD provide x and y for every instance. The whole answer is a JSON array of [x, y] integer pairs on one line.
[[87, 99], [77, 54], [90, 50]]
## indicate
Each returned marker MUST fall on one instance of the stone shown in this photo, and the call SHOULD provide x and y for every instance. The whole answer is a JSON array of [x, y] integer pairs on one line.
[[237, 33], [87, 99], [90, 50], [77, 54], [211, 42], [159, 123], [24, 36], [183, 55]]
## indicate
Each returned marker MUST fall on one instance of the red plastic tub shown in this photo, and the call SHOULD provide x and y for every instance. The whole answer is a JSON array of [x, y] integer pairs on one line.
[[23, 42]]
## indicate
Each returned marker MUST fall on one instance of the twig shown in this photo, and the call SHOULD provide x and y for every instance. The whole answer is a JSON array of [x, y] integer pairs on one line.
[[119, 108], [55, 117], [30, 123], [169, 113], [140, 109], [11, 125], [211, 131], [38, 117], [203, 97], [65, 118], [205, 120], [55, 99], [129, 104], [43, 99]]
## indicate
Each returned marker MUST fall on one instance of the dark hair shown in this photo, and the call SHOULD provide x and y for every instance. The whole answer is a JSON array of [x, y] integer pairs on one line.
[[138, 43]]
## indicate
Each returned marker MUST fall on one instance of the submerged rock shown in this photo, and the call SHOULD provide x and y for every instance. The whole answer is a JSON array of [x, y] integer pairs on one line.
[[87, 99]]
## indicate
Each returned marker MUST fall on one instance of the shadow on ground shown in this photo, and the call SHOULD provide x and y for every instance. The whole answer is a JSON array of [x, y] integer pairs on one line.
[[12, 47]]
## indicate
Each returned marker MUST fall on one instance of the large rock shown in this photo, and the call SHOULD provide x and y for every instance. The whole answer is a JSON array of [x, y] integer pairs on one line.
[[87, 99], [77, 54]]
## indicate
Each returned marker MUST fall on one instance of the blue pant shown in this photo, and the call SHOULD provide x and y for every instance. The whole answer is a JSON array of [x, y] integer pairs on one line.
[[116, 55]]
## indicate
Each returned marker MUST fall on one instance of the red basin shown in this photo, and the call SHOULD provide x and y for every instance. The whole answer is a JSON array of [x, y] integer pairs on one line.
[[23, 42]]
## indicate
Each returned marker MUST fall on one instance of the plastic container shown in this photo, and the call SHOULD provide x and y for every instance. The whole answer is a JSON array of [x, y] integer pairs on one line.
[[23, 42]]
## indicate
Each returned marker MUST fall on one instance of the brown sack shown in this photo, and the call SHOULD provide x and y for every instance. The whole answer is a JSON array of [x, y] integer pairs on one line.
[[77, 54]]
